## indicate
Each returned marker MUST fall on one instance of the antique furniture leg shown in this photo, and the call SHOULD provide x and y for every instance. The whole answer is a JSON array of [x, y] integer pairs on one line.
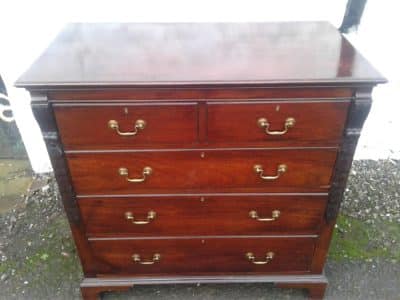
[[316, 291], [94, 292]]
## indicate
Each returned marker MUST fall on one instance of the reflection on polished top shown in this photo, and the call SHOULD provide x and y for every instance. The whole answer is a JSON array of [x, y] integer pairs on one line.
[[135, 54]]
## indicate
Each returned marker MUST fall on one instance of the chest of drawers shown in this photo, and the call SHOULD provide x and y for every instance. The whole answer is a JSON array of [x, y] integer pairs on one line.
[[201, 153]]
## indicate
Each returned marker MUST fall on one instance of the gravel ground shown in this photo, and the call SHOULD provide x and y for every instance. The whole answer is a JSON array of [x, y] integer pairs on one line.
[[373, 191], [38, 257]]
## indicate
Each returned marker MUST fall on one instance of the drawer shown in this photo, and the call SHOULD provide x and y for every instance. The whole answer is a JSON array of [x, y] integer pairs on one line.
[[201, 171], [132, 125], [205, 255], [202, 215], [279, 123]]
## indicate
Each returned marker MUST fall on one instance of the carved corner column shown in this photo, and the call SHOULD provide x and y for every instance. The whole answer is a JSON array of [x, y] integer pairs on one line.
[[357, 114], [42, 111]]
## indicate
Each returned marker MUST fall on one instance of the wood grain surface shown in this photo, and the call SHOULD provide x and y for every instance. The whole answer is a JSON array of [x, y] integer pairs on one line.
[[202, 215], [316, 123], [86, 126], [211, 170], [206, 256], [198, 54]]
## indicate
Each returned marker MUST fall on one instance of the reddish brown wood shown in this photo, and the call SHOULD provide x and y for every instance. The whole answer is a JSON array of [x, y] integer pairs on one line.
[[199, 94], [322, 246], [86, 126], [202, 215], [206, 255], [358, 112], [202, 119], [97, 173], [94, 292], [183, 279], [298, 281], [317, 123], [202, 104], [199, 54], [43, 112], [316, 291], [170, 125]]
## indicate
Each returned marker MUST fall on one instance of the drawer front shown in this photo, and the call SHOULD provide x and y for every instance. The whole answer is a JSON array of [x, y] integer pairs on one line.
[[208, 215], [132, 126], [279, 123], [98, 173], [208, 255]]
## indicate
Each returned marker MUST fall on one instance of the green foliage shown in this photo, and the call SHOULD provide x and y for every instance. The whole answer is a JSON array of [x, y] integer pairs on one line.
[[355, 239]]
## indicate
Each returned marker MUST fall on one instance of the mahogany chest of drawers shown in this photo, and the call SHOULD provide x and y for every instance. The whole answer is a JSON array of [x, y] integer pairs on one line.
[[201, 153]]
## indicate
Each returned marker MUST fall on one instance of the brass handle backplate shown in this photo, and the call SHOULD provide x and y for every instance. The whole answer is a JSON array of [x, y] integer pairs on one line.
[[139, 125], [275, 215], [147, 171], [258, 169], [268, 257], [156, 258], [263, 123], [151, 215]]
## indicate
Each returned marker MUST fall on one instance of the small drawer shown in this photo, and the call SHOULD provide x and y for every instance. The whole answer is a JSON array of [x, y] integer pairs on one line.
[[97, 126], [277, 124], [197, 171], [197, 256], [202, 215]]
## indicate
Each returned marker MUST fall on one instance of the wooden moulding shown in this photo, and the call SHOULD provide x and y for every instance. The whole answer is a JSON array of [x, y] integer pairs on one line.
[[358, 112], [315, 284], [200, 94], [43, 113]]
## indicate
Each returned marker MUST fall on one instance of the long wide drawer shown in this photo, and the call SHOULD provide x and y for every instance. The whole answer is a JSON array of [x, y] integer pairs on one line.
[[206, 255], [277, 124], [105, 126], [202, 215], [211, 170]]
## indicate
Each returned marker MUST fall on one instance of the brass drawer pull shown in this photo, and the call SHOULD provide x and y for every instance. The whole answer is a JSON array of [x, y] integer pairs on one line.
[[139, 125], [156, 258], [151, 215], [263, 123], [268, 257], [146, 172], [258, 169], [275, 215]]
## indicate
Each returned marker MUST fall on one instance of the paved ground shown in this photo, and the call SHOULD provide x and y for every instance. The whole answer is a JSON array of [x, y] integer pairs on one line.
[[38, 258]]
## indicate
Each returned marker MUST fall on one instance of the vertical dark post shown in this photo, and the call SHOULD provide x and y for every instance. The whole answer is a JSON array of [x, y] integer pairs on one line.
[[352, 15]]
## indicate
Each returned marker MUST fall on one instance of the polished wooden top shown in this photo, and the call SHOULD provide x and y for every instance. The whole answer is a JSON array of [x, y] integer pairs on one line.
[[182, 54]]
